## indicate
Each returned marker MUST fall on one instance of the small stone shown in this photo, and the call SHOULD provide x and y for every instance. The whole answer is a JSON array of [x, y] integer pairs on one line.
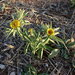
[[2, 66], [12, 73], [46, 64], [1, 56]]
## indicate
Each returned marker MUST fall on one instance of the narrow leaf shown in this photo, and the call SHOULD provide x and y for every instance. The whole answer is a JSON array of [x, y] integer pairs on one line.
[[53, 53]]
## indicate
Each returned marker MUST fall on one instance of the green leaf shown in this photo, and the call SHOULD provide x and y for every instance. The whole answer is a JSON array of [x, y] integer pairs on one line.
[[71, 44], [40, 53], [57, 39], [66, 56], [38, 45], [20, 32], [30, 70], [50, 26], [26, 22], [48, 48], [45, 41], [54, 53], [73, 2], [26, 13], [52, 41], [73, 64], [64, 53], [11, 31], [43, 74], [14, 33], [25, 35], [26, 48]]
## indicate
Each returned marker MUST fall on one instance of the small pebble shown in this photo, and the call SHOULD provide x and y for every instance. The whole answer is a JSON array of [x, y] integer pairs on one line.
[[2, 66], [12, 73]]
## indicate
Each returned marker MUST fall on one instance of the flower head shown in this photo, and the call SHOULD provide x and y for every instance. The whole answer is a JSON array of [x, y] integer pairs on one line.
[[30, 30], [50, 31], [15, 23]]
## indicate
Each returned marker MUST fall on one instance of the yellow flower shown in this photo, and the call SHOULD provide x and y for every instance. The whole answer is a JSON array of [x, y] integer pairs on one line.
[[50, 31], [15, 24], [30, 30]]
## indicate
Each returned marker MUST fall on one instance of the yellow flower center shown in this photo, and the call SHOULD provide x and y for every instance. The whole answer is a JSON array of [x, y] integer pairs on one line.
[[50, 31], [15, 24]]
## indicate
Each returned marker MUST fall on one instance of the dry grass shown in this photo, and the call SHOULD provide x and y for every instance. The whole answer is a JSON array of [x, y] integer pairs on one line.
[[34, 1]]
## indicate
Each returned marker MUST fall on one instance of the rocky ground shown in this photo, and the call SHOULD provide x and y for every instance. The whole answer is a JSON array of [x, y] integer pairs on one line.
[[13, 61]]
